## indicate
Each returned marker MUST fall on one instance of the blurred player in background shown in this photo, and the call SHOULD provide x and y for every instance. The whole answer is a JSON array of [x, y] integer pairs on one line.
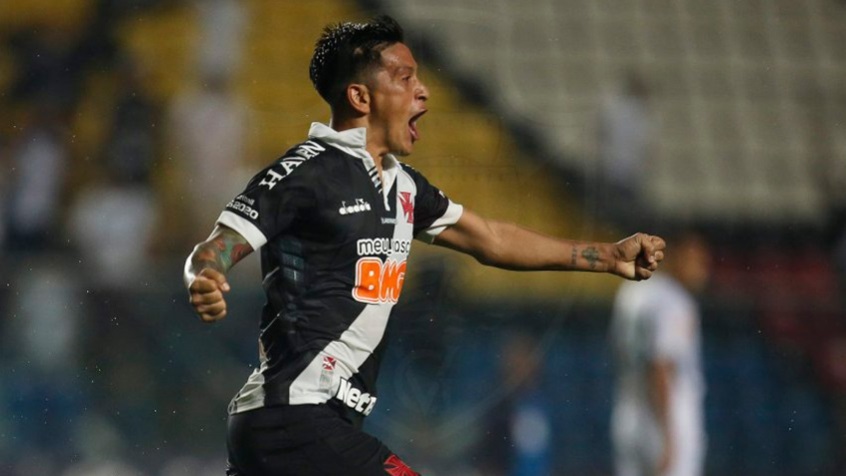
[[657, 421], [518, 435], [334, 218]]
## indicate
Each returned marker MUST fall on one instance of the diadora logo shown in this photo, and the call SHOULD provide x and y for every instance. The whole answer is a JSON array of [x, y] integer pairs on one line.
[[359, 206], [354, 398], [378, 282], [407, 203]]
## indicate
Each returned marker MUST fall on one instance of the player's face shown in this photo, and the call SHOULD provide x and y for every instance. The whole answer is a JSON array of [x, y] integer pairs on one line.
[[398, 101], [695, 264]]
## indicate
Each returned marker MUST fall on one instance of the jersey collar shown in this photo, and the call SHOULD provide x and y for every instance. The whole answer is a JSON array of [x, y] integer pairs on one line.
[[350, 141], [353, 142]]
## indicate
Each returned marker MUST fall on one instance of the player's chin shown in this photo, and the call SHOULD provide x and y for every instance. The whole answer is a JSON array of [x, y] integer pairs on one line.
[[404, 149], [411, 142]]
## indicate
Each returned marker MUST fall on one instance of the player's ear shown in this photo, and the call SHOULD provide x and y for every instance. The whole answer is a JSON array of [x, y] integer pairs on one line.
[[358, 96]]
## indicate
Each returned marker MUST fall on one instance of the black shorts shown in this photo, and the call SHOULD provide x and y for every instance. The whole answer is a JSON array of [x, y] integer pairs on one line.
[[305, 440]]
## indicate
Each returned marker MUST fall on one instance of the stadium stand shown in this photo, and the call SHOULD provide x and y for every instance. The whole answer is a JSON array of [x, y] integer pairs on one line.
[[737, 90]]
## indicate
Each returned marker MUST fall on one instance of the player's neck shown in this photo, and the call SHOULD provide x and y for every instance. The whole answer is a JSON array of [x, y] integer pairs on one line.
[[376, 148], [375, 145]]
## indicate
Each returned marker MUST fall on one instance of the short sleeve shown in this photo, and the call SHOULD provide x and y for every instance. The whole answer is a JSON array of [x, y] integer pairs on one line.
[[270, 202], [674, 331], [433, 210]]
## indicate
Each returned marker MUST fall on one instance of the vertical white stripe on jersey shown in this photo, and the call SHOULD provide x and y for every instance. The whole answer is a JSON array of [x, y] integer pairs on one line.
[[350, 351], [359, 341]]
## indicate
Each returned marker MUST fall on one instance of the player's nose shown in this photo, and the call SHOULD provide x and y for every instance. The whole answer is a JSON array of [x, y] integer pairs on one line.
[[422, 93]]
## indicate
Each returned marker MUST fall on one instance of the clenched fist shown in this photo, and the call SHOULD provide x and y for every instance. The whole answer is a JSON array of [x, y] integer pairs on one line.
[[206, 292], [637, 256]]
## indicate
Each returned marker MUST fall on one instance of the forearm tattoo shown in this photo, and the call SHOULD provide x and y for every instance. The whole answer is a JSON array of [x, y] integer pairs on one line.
[[231, 250], [592, 256], [221, 253], [574, 256]]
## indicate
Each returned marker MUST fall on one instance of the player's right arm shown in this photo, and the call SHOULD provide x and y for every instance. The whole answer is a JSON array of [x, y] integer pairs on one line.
[[206, 268]]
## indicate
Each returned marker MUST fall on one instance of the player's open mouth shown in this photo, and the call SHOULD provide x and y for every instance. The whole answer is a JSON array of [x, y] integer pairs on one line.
[[412, 126]]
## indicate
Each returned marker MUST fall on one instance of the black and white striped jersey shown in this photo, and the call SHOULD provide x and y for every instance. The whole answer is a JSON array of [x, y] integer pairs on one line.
[[334, 240]]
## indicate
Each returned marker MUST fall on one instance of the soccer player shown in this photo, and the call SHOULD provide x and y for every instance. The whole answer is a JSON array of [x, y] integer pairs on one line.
[[657, 422], [334, 218]]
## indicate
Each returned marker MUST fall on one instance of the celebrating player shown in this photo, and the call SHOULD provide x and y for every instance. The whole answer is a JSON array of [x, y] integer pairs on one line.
[[334, 218]]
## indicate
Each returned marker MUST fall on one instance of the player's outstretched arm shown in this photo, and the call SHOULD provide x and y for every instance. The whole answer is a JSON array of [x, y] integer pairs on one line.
[[508, 246], [206, 268]]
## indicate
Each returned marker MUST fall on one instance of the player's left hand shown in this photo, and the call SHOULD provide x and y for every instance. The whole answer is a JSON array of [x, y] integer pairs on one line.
[[638, 256]]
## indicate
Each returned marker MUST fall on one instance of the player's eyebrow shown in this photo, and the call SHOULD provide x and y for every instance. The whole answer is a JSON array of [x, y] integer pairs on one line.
[[403, 70]]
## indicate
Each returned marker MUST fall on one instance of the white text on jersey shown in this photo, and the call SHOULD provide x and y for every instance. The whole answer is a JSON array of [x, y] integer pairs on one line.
[[242, 207], [305, 152], [353, 398], [360, 206], [382, 246]]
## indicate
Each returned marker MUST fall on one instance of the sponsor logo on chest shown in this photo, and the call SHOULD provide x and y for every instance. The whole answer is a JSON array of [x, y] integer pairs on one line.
[[380, 280], [376, 280]]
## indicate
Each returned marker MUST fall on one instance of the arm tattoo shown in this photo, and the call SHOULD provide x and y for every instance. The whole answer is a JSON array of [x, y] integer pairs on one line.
[[221, 252], [592, 256], [574, 256], [231, 249]]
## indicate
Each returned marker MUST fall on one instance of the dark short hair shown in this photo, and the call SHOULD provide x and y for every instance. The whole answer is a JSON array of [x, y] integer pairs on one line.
[[346, 50]]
